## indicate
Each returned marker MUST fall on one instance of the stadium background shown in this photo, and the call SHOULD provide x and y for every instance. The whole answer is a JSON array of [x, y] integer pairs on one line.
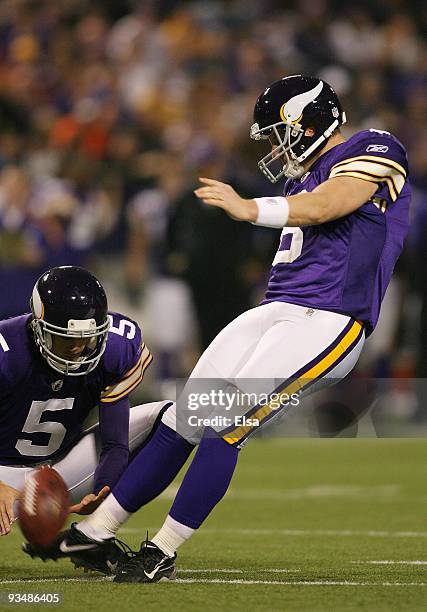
[[109, 111]]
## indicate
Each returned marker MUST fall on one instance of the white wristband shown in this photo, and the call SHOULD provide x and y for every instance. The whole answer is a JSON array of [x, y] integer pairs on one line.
[[272, 212]]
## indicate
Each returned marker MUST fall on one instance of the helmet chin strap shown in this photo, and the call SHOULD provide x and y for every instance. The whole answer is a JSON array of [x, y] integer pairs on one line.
[[292, 166], [64, 368], [293, 169]]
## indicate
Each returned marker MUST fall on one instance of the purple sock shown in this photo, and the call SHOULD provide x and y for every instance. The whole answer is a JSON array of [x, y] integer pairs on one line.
[[152, 469], [205, 482]]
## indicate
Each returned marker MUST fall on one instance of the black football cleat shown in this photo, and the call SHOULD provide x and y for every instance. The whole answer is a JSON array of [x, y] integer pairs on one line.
[[104, 557], [150, 564]]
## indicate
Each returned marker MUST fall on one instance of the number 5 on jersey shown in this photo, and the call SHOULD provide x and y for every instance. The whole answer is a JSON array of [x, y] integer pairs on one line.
[[4, 344], [290, 245], [34, 424], [125, 328]]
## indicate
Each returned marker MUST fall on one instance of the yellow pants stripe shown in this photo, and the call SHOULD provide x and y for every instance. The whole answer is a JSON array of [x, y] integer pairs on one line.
[[296, 385]]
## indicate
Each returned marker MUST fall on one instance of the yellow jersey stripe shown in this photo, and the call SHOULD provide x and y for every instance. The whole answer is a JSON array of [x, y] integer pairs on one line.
[[314, 372], [134, 385], [383, 161], [131, 371], [369, 177], [123, 387], [123, 381], [374, 169]]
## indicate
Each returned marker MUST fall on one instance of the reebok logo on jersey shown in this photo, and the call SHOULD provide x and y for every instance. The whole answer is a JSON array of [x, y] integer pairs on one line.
[[377, 148]]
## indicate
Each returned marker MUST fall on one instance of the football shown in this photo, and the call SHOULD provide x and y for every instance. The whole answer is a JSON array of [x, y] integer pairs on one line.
[[43, 506]]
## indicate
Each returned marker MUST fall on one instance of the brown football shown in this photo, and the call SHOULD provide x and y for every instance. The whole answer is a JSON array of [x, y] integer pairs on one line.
[[43, 506]]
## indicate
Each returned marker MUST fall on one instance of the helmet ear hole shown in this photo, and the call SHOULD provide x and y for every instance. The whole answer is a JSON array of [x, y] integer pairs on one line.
[[309, 132]]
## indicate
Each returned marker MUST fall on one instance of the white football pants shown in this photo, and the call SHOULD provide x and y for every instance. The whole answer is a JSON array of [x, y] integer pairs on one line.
[[277, 348], [78, 467]]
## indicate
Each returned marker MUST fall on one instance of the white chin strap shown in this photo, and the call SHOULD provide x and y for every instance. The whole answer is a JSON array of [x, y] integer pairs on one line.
[[292, 165], [292, 169], [63, 366]]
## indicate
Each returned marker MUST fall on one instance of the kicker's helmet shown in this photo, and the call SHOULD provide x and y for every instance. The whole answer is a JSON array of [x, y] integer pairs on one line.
[[284, 112], [69, 302]]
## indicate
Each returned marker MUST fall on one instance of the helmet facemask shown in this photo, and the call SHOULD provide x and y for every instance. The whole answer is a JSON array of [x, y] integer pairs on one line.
[[286, 135], [44, 333]]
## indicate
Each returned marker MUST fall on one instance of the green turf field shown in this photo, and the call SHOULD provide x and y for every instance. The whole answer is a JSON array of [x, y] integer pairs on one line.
[[307, 525]]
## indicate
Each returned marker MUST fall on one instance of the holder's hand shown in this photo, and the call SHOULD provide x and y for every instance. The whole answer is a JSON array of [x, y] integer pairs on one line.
[[90, 502], [8, 495]]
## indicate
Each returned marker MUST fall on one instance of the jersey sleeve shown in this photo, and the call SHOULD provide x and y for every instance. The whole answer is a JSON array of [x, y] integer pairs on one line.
[[287, 187], [14, 354], [375, 156], [126, 359]]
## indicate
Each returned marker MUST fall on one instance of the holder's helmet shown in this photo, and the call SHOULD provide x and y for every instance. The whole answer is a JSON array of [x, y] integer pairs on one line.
[[69, 302], [284, 112]]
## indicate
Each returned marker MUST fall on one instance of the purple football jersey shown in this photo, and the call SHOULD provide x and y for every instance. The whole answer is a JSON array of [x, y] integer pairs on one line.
[[345, 265], [41, 411]]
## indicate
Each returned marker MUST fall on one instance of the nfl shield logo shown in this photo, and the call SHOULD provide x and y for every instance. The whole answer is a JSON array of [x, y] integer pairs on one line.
[[57, 385]]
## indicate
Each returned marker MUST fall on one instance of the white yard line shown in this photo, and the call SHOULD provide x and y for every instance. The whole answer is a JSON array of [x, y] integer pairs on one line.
[[317, 491], [224, 570], [221, 570], [300, 583], [297, 532], [58, 580], [223, 581], [390, 562], [322, 532]]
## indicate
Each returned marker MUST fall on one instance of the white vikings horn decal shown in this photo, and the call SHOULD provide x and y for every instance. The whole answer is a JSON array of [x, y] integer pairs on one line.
[[37, 304], [293, 108]]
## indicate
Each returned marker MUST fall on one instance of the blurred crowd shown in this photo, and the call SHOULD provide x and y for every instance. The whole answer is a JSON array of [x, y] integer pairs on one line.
[[110, 110]]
